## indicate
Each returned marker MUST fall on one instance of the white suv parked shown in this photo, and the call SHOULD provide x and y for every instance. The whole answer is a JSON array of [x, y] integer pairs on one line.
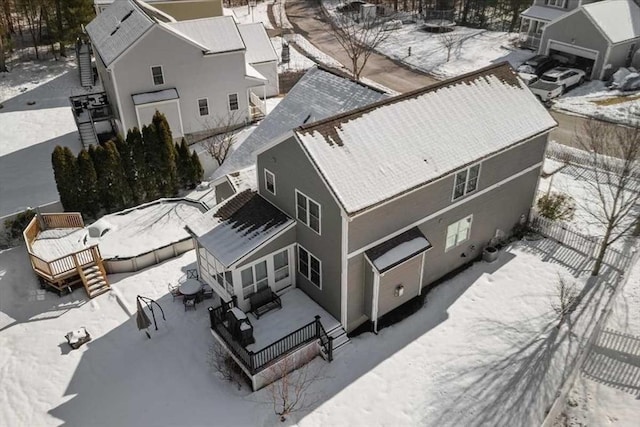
[[564, 77]]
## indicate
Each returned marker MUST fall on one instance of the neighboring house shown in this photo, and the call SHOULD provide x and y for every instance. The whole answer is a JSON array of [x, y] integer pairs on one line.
[[541, 13], [364, 209], [599, 37], [320, 93], [180, 10], [195, 72]]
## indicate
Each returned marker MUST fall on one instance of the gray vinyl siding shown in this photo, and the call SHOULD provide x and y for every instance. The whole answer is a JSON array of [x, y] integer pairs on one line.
[[215, 76], [407, 275], [577, 30], [276, 245], [500, 208], [292, 171], [358, 305], [107, 84], [619, 56], [386, 219], [270, 71]]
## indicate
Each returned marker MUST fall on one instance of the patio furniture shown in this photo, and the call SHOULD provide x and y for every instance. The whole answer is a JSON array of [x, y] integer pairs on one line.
[[190, 287], [207, 292], [192, 274], [78, 337], [189, 302], [263, 301], [240, 326], [174, 290]]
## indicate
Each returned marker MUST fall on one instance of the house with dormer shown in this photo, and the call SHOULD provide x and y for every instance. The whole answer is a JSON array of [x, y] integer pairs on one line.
[[361, 211], [197, 72]]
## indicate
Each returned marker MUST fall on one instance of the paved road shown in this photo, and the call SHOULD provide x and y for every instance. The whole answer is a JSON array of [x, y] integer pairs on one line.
[[307, 19]]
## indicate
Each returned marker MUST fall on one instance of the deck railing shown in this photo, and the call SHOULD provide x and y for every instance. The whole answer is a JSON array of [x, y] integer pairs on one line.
[[254, 362], [62, 220]]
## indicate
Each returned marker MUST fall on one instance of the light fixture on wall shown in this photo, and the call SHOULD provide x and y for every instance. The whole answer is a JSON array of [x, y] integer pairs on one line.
[[399, 291]]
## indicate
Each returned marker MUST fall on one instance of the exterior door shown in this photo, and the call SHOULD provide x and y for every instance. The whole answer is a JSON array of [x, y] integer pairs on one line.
[[281, 270]]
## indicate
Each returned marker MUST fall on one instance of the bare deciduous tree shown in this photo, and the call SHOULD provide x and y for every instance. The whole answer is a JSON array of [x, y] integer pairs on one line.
[[221, 363], [222, 138], [615, 189], [360, 39], [449, 41], [290, 388], [565, 300]]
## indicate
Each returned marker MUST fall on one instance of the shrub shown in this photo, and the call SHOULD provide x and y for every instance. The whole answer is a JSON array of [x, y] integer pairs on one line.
[[556, 206], [13, 228]]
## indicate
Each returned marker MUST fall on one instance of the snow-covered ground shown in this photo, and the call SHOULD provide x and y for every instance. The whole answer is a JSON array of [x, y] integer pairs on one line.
[[593, 99], [29, 133], [484, 350], [248, 15]]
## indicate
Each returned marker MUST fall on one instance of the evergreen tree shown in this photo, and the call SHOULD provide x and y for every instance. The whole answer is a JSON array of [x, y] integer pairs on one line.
[[65, 172], [149, 151], [125, 150], [88, 185], [166, 156], [119, 189], [184, 164], [198, 171], [140, 162]]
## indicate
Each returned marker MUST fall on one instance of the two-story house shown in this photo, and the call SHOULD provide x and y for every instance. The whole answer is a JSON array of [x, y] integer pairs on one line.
[[599, 37], [197, 72], [364, 209], [178, 9]]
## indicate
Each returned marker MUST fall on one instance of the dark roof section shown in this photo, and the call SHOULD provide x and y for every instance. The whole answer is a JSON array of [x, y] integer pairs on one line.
[[403, 254], [250, 211], [320, 93], [328, 126]]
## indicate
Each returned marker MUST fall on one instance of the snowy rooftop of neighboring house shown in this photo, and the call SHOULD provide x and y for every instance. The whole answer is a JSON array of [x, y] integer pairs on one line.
[[259, 47], [319, 94], [217, 34], [376, 153], [117, 28], [619, 20], [240, 225], [244, 179], [398, 249], [543, 13]]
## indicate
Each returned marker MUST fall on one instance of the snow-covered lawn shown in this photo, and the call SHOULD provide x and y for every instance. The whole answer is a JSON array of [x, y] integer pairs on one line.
[[29, 133], [248, 15], [483, 351], [593, 99]]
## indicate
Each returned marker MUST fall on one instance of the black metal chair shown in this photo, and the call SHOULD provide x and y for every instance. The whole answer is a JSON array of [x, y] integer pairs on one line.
[[174, 290], [190, 302], [192, 274]]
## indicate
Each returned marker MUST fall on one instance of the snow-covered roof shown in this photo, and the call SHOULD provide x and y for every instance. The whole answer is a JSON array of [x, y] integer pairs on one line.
[[259, 47], [155, 96], [244, 179], [117, 28], [398, 249], [376, 153], [217, 34], [319, 94], [543, 13], [241, 225], [253, 73], [619, 20]]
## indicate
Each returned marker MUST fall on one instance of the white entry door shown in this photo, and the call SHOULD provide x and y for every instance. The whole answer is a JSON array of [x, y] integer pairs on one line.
[[281, 270]]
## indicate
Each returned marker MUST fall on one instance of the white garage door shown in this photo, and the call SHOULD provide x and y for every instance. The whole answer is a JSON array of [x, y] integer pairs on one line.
[[171, 109], [573, 50]]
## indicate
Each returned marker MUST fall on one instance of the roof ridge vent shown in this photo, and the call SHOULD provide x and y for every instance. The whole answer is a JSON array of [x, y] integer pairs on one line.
[[115, 30], [124, 18]]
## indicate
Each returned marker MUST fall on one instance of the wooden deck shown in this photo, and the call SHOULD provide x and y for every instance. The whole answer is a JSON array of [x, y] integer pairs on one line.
[[84, 266]]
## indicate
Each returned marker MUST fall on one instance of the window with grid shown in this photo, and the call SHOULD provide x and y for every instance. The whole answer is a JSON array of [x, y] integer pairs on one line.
[[308, 211], [254, 278], [281, 265], [156, 73], [466, 181], [458, 232], [233, 102], [309, 266], [203, 106], [270, 181]]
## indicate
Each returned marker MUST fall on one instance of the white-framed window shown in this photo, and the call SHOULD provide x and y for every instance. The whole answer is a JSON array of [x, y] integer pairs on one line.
[[216, 270], [254, 278], [270, 181], [458, 232], [310, 266], [203, 106], [308, 211], [157, 75], [556, 3], [233, 101], [466, 181], [281, 265]]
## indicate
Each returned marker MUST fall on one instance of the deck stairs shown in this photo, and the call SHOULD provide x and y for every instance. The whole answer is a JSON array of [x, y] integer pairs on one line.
[[87, 134], [84, 63], [340, 338], [94, 279]]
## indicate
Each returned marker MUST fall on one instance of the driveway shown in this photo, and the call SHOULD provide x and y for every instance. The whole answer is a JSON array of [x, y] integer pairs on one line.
[[307, 19]]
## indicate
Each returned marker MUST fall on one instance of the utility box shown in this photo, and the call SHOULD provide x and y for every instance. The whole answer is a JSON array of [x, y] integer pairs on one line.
[[367, 12]]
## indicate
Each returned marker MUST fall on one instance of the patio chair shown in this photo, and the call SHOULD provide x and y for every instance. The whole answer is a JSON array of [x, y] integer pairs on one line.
[[189, 302], [207, 292], [192, 274], [174, 290]]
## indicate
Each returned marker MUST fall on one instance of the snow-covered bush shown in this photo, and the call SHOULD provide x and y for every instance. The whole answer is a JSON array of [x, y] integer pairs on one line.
[[556, 206]]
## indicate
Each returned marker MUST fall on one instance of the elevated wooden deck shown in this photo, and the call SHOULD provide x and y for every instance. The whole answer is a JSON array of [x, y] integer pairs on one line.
[[63, 273]]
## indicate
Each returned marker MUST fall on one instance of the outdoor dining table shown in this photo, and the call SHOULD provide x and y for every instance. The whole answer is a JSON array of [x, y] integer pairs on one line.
[[190, 287]]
